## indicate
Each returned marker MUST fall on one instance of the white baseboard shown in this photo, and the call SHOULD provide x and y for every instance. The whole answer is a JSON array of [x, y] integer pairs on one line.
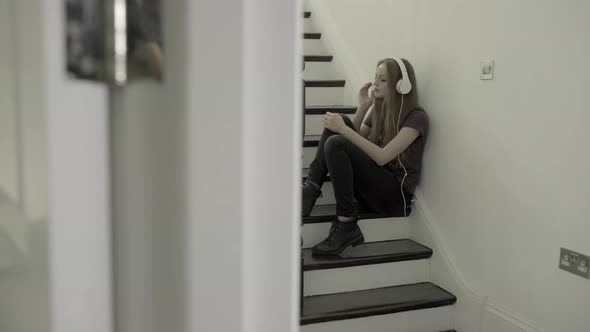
[[473, 312], [496, 319]]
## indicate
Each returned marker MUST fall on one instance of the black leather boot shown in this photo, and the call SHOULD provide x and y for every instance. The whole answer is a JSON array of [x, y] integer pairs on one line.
[[309, 194], [342, 235]]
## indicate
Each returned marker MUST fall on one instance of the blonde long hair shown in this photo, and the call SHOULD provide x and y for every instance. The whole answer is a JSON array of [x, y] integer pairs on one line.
[[386, 110]]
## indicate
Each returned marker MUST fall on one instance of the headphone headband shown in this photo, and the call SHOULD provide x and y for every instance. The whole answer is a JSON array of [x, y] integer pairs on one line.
[[404, 86]]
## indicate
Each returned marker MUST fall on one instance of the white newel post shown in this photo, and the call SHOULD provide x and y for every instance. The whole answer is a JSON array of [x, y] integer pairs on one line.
[[244, 146]]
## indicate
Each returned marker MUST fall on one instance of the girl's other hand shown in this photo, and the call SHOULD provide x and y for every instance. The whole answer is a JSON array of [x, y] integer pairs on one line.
[[364, 99]]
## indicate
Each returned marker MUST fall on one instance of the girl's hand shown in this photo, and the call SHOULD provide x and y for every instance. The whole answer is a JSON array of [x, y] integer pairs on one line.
[[334, 122], [364, 99]]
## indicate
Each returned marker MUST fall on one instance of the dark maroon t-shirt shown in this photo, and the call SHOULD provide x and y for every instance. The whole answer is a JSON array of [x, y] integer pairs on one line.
[[412, 160]]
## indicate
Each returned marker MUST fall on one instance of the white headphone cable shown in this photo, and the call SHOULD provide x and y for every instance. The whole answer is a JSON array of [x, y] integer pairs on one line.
[[400, 162]]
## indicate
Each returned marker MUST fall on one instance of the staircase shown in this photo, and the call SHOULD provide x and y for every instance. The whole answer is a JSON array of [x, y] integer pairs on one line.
[[383, 285]]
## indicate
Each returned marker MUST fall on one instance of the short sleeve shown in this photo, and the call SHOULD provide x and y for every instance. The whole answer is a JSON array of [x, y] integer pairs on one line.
[[368, 121], [417, 120]]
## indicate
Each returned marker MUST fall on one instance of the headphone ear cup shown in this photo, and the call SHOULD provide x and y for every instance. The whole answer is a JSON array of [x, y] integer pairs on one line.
[[403, 86]]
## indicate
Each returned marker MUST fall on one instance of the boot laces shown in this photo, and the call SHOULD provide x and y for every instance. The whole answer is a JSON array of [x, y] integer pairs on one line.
[[336, 226]]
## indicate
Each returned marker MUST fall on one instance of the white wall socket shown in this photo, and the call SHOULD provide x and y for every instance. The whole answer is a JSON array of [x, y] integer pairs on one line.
[[574, 262], [486, 69]]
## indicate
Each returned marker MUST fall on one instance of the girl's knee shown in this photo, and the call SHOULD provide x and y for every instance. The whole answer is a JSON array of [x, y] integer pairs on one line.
[[335, 142]]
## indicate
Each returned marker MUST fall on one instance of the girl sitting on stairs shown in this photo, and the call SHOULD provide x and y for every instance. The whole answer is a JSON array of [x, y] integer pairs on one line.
[[375, 157]]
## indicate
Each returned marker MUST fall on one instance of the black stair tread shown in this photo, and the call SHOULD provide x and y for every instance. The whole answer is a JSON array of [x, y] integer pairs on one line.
[[367, 254], [325, 83], [311, 142], [319, 110], [327, 213], [307, 14], [380, 301], [449, 331], [312, 35], [318, 58]]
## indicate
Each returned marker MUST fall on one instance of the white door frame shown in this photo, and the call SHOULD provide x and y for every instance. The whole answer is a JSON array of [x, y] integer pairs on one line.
[[79, 207], [244, 91]]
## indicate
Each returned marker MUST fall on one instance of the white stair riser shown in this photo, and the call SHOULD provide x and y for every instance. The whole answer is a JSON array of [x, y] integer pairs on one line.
[[321, 71], [426, 320], [327, 192], [324, 96], [314, 125], [373, 229], [350, 279], [314, 47], [308, 155], [327, 195], [308, 25]]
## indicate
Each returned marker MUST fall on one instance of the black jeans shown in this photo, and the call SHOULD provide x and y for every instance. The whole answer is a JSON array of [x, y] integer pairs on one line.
[[355, 174]]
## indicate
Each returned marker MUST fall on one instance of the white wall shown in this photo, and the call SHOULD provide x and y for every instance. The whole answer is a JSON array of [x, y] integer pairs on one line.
[[8, 124], [24, 292], [24, 300], [360, 33], [505, 169], [12, 224], [23, 176]]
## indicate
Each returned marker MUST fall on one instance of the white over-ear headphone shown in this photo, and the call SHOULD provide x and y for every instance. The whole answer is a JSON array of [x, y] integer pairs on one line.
[[404, 86]]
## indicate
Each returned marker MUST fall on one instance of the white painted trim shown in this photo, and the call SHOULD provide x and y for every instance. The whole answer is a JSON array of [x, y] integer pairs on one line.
[[243, 81], [271, 175], [79, 193], [448, 276], [215, 222], [510, 318]]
